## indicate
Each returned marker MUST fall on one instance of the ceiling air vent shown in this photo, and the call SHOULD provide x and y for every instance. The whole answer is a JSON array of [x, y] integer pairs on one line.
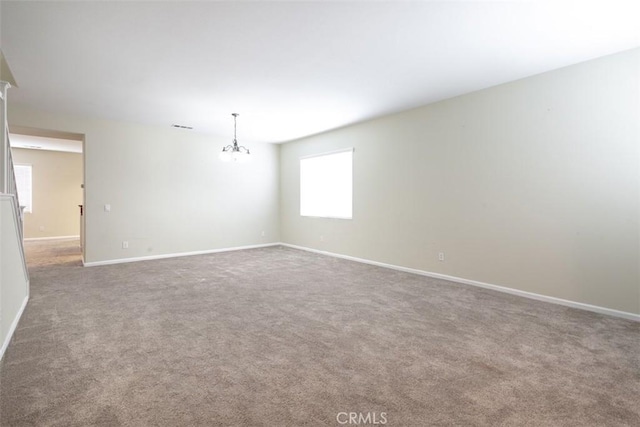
[[181, 126]]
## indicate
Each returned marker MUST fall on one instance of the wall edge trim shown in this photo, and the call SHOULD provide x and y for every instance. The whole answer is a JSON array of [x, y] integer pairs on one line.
[[14, 325], [175, 255], [33, 239], [503, 289]]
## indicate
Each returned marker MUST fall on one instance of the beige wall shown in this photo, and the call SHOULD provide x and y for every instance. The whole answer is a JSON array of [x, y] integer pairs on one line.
[[56, 181], [532, 185], [167, 189]]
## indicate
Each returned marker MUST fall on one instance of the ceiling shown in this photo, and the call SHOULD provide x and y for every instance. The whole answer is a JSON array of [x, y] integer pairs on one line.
[[33, 142], [290, 68]]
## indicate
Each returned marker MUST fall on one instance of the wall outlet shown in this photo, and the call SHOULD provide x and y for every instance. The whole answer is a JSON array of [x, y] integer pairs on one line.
[[322, 238], [263, 234], [125, 244], [41, 228], [107, 208], [440, 256]]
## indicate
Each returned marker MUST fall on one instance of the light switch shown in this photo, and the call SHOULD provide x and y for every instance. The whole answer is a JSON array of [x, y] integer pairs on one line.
[[107, 208]]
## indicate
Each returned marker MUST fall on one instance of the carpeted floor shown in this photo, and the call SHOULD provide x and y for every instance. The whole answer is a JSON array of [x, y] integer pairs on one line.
[[280, 337]]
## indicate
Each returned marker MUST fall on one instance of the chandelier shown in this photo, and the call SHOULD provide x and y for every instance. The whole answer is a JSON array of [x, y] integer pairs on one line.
[[234, 152]]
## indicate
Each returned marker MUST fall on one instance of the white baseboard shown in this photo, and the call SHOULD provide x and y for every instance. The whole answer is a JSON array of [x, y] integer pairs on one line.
[[33, 239], [175, 255], [525, 294], [14, 325]]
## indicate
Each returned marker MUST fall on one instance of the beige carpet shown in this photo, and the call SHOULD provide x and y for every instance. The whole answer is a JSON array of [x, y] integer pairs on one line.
[[280, 337], [54, 253]]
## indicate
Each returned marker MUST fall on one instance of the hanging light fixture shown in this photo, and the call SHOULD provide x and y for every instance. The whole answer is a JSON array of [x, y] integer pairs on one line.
[[234, 152]]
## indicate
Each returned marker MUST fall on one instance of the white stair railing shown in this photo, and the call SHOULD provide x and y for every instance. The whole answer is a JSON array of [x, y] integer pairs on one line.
[[14, 275], [8, 185], [12, 188], [4, 149]]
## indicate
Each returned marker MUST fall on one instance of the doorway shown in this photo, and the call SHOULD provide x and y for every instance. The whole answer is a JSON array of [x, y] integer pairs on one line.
[[50, 176]]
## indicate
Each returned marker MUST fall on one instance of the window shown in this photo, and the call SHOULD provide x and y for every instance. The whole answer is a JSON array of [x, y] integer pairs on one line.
[[23, 182], [326, 185]]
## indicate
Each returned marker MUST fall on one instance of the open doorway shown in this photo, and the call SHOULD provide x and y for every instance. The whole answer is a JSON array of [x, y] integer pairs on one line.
[[49, 169]]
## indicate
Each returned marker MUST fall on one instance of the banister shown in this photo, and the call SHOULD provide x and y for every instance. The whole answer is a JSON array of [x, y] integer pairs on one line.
[[9, 187]]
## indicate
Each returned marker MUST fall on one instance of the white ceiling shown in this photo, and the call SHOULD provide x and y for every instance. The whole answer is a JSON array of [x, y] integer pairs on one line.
[[44, 143], [290, 68]]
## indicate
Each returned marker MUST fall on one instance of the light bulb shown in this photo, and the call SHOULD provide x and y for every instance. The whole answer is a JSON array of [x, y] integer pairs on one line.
[[242, 157], [225, 156]]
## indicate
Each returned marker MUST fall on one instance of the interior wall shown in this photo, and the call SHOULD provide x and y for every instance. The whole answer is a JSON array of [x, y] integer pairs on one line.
[[56, 192], [14, 282], [532, 185], [167, 191]]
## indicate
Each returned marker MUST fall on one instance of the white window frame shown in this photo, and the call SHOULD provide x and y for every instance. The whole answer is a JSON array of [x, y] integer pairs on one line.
[[20, 184], [328, 185]]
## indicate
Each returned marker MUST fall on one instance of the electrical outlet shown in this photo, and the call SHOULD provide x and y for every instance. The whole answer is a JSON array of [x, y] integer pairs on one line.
[[125, 244], [107, 208], [440, 256], [41, 228], [322, 238], [263, 234]]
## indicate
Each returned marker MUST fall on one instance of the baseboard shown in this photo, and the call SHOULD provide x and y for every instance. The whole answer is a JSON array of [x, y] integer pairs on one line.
[[525, 294], [14, 325], [33, 239], [175, 255]]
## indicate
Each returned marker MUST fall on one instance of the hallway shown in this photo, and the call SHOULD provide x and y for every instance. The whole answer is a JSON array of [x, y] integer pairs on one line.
[[53, 253]]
